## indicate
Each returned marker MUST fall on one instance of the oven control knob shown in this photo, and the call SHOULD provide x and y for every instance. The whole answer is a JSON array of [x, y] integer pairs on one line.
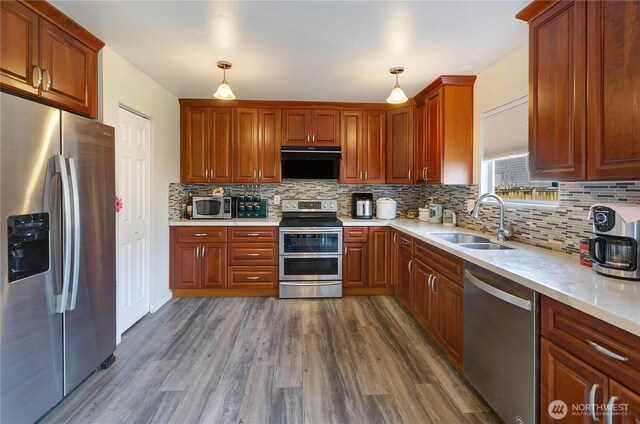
[[601, 218]]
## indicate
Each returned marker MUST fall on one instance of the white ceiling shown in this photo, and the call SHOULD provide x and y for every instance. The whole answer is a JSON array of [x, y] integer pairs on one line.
[[304, 50]]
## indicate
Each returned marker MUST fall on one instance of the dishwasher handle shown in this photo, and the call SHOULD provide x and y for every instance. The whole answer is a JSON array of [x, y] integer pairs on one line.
[[507, 297]]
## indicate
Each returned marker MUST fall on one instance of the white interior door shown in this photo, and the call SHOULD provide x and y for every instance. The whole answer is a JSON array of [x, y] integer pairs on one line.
[[132, 265]]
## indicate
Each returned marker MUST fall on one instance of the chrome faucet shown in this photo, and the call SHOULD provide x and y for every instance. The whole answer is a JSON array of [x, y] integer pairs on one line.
[[502, 232]]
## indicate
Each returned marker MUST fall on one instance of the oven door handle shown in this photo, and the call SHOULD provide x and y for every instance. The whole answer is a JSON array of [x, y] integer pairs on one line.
[[314, 284], [309, 230]]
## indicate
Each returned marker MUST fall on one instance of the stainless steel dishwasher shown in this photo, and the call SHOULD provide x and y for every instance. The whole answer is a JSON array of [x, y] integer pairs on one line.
[[501, 343]]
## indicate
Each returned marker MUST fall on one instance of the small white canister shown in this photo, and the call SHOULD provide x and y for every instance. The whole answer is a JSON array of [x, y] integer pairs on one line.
[[423, 214], [386, 208]]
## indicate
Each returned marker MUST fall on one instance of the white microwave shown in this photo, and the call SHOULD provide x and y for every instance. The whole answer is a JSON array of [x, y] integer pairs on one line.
[[212, 207]]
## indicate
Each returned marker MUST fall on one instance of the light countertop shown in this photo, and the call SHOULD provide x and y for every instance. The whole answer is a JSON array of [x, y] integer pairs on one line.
[[239, 222], [556, 275]]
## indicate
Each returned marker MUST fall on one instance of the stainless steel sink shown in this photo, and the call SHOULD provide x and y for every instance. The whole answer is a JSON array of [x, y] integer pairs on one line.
[[485, 246], [462, 238]]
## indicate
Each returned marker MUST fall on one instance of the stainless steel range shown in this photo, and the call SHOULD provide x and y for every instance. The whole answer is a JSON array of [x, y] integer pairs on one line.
[[310, 249]]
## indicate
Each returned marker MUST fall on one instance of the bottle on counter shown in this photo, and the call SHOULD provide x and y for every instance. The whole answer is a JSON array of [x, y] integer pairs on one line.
[[190, 206]]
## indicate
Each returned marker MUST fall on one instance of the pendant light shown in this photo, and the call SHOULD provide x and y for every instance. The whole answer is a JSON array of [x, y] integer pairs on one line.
[[397, 96], [224, 91]]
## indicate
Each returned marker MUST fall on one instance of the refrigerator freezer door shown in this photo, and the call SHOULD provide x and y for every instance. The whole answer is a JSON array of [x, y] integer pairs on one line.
[[90, 323], [31, 380]]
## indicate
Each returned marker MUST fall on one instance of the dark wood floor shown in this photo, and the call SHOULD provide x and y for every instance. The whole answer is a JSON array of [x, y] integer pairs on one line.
[[267, 360]]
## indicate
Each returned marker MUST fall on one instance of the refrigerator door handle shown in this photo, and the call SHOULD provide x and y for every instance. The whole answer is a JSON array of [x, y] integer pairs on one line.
[[57, 165], [76, 231]]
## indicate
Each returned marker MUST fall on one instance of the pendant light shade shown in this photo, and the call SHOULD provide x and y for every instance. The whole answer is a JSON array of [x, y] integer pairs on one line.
[[397, 96], [224, 92]]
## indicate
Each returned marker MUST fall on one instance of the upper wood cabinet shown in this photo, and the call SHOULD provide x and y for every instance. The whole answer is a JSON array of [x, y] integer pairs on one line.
[[400, 131], [48, 57], [444, 131], [613, 120], [584, 79], [363, 147], [311, 126], [205, 144], [257, 142]]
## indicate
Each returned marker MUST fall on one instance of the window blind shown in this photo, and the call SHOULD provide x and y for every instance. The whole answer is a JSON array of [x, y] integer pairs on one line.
[[506, 130]]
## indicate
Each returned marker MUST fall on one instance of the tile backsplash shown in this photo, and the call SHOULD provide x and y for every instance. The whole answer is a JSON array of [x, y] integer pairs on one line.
[[406, 196], [557, 228]]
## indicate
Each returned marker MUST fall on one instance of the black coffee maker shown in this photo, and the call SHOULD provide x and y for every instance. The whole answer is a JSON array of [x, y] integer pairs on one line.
[[362, 205], [614, 249]]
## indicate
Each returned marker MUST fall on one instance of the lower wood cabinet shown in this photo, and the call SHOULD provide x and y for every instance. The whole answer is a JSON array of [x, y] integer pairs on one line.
[[404, 291], [589, 365], [429, 284], [204, 264], [355, 261], [424, 304], [260, 277], [366, 260], [199, 265]]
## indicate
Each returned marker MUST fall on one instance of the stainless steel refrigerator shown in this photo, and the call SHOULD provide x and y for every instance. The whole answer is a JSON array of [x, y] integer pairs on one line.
[[57, 255]]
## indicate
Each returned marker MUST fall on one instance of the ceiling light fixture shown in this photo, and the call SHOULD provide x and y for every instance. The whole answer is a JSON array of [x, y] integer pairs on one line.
[[224, 91], [397, 96]]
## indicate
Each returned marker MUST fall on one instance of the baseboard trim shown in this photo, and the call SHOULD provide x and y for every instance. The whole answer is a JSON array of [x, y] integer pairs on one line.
[[367, 291], [224, 292], [160, 303]]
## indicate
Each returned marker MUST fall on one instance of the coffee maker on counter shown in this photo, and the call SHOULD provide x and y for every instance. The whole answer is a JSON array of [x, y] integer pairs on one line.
[[362, 205], [614, 248]]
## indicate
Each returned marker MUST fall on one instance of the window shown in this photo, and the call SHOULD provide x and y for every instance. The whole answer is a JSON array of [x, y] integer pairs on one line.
[[504, 158]]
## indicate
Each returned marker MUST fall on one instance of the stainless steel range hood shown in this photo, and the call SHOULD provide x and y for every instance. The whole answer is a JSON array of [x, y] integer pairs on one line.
[[311, 162]]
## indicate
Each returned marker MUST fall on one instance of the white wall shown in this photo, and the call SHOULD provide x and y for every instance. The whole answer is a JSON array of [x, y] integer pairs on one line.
[[505, 80], [123, 84]]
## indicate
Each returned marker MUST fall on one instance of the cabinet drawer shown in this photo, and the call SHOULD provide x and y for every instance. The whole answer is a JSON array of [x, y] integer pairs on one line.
[[263, 277], [586, 337], [253, 234], [405, 242], [201, 234], [443, 262], [253, 254], [356, 234]]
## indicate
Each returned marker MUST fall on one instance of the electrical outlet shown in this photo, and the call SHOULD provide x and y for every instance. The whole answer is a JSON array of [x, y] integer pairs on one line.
[[470, 204], [276, 199]]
